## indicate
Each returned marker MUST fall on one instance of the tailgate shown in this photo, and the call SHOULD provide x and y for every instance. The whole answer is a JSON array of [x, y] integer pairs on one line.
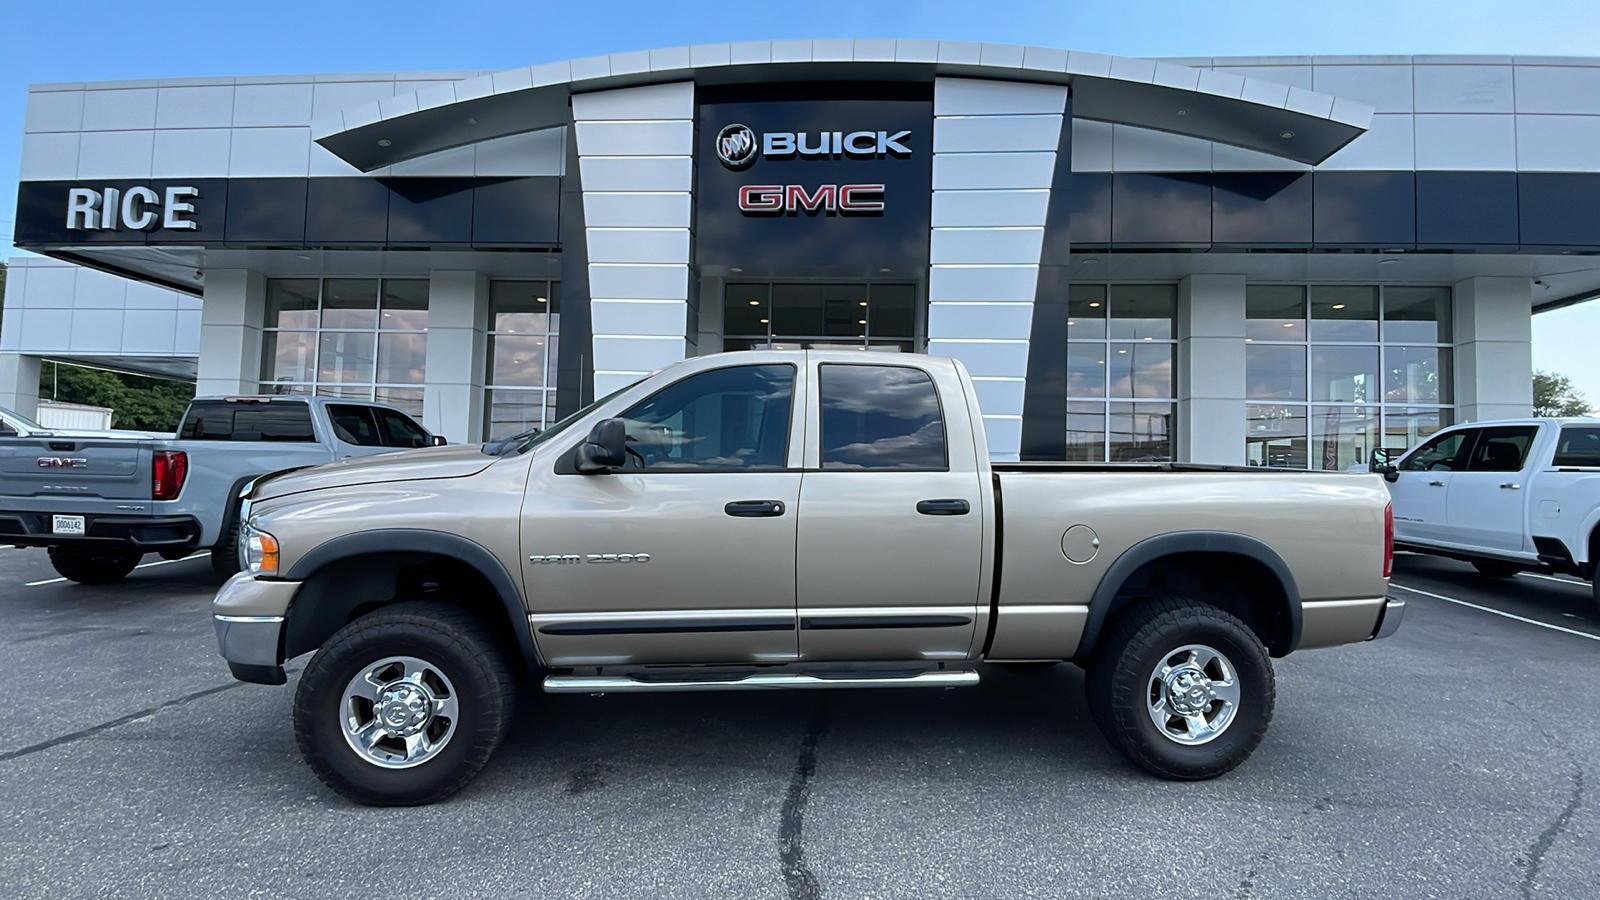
[[36, 473]]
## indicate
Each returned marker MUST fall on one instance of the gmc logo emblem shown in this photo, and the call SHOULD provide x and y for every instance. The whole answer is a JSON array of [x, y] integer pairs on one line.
[[786, 198], [63, 462]]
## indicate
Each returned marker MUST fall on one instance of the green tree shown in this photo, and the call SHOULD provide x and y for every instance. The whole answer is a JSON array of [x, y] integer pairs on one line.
[[1555, 397], [137, 402]]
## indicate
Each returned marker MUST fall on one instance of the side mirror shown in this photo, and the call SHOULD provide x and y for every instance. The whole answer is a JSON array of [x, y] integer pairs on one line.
[[1380, 465], [605, 447], [437, 441]]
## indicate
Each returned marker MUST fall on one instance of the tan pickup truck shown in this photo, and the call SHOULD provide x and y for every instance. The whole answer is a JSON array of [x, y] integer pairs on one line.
[[767, 520]]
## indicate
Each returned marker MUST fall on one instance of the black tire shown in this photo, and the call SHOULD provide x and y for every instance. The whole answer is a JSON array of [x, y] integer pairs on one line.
[[225, 561], [1495, 570], [1121, 676], [87, 568], [456, 644]]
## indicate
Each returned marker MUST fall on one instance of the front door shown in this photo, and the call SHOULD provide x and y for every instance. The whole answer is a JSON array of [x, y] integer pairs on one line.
[[685, 555], [1423, 486], [1487, 502], [891, 522]]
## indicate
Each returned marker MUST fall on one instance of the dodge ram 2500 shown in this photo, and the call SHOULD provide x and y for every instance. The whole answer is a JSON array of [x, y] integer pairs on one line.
[[767, 520]]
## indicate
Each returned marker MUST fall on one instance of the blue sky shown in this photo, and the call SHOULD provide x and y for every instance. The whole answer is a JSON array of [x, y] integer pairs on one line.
[[93, 40]]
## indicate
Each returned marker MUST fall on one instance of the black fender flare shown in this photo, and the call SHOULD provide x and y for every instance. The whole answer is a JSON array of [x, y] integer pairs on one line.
[[433, 543], [1181, 542]]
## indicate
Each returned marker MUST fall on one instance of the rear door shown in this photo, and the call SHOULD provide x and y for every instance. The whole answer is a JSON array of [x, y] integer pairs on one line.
[[1486, 509], [890, 539], [1422, 488]]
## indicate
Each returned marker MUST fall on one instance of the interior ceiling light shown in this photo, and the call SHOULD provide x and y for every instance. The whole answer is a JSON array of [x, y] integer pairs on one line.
[[1095, 304], [862, 303], [755, 302], [1183, 112], [861, 321], [472, 121], [1286, 134], [384, 142], [1288, 324], [764, 321], [1338, 306], [542, 300], [1122, 351]]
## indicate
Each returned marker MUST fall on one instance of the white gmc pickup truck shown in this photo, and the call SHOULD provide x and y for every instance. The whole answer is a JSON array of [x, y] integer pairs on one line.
[[767, 520], [1507, 496]]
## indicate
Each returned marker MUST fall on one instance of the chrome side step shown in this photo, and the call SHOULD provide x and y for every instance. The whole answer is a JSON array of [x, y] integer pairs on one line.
[[761, 681]]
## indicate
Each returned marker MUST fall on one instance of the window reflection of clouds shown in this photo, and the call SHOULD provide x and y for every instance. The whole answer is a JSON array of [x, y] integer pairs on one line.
[[880, 417]]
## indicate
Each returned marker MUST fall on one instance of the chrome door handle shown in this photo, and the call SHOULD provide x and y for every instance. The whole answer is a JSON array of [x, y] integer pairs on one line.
[[1511, 487], [1435, 484], [944, 507], [750, 509]]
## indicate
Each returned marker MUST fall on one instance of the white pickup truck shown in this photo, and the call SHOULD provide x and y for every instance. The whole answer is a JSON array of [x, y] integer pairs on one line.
[[1507, 496]]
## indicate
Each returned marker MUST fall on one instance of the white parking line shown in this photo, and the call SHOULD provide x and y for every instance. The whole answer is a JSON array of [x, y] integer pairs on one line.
[[1557, 578], [159, 562], [1582, 634]]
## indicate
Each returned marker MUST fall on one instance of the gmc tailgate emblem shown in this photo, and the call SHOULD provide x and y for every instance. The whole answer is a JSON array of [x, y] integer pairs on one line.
[[63, 462]]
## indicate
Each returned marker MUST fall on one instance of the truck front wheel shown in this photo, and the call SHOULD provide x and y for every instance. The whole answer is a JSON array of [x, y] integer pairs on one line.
[[87, 568], [404, 706], [1184, 690]]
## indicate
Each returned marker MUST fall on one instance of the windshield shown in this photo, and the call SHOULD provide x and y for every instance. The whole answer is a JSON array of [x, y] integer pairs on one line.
[[533, 437]]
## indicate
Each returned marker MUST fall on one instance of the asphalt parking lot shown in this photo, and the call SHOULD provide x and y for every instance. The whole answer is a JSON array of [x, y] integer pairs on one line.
[[1457, 759]]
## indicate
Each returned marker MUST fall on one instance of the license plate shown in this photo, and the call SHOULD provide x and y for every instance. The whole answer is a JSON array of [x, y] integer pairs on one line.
[[67, 525]]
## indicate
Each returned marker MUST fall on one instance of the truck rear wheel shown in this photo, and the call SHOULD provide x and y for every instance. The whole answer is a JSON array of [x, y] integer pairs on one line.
[[89, 568], [404, 707], [1183, 690]]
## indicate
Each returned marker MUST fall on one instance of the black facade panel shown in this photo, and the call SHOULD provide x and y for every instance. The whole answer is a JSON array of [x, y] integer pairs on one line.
[[1466, 209], [429, 211], [1559, 209], [1365, 209], [1044, 399], [268, 211], [1262, 209], [345, 211], [575, 364], [1161, 210], [517, 211], [1087, 213]]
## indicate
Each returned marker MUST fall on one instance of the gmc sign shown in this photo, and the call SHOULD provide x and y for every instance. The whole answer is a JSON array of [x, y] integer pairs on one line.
[[846, 198]]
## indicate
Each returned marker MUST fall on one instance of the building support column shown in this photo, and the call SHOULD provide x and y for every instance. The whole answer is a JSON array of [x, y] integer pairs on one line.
[[19, 384], [994, 158], [636, 163], [1494, 348], [458, 325], [232, 315], [1210, 370]]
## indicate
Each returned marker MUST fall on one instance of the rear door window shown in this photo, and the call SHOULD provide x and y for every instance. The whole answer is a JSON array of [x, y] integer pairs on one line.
[[225, 421], [1579, 445], [880, 417], [1502, 449]]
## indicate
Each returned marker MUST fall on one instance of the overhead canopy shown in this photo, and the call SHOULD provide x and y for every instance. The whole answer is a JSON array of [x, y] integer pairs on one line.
[[1272, 118]]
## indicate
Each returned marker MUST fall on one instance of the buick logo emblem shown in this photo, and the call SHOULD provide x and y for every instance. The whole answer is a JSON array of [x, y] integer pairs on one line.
[[736, 146]]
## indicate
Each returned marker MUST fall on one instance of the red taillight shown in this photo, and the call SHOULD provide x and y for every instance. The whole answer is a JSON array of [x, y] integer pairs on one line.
[[1388, 540], [167, 473]]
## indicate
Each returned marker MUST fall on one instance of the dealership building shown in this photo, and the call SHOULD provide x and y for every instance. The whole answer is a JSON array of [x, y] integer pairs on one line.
[[1281, 261]]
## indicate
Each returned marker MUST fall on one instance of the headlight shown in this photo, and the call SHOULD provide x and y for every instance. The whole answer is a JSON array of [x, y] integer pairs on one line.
[[258, 550]]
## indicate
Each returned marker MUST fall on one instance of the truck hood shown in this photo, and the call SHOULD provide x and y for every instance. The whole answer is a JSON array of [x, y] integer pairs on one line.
[[456, 461]]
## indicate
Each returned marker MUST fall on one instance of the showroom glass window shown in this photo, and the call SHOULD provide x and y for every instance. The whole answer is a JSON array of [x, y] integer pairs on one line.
[[524, 325], [1333, 372], [355, 338], [1120, 392], [766, 316]]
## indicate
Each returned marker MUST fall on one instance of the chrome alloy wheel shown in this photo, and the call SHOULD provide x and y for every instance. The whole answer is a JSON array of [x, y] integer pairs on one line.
[[398, 712], [1193, 694]]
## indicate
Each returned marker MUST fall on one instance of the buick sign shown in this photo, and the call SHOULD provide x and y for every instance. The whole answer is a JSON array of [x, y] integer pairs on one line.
[[736, 146]]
